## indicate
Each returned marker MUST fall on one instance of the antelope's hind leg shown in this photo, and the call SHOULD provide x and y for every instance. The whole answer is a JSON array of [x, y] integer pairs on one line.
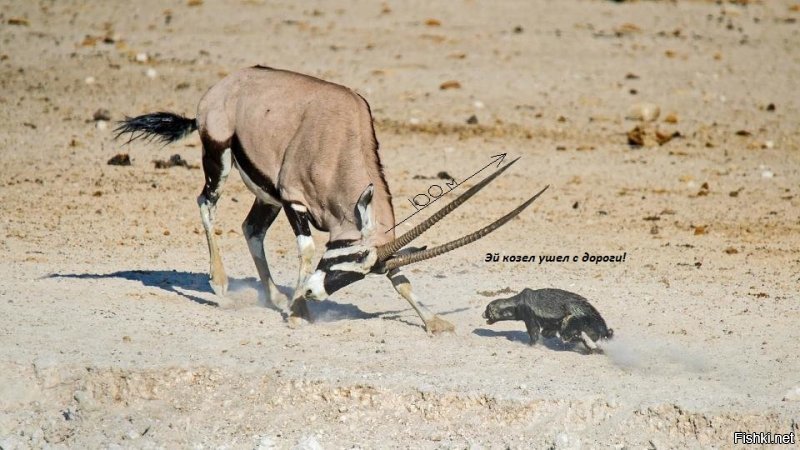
[[216, 167], [255, 228], [433, 323]]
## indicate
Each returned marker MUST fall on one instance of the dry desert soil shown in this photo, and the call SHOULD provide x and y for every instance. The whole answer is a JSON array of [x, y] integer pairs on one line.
[[110, 336]]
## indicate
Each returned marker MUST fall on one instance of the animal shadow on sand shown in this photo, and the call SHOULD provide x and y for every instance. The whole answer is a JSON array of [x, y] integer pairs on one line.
[[522, 337], [177, 282]]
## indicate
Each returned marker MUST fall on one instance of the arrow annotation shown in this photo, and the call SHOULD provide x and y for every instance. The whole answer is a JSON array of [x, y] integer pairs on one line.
[[496, 159]]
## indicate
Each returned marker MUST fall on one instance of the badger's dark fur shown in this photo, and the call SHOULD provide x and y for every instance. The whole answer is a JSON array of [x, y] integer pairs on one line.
[[548, 312]]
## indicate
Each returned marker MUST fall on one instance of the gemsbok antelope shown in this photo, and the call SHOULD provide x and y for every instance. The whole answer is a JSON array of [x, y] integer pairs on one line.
[[307, 146]]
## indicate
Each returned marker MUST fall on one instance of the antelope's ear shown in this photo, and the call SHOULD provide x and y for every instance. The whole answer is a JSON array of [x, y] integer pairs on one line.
[[365, 215]]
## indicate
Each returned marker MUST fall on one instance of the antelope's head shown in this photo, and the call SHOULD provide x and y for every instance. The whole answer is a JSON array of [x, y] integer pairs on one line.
[[345, 262]]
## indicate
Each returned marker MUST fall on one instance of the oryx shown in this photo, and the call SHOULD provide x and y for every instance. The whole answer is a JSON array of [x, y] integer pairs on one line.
[[307, 146]]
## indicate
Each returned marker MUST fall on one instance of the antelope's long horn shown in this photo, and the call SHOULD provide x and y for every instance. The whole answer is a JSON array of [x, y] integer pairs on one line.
[[385, 251], [452, 245]]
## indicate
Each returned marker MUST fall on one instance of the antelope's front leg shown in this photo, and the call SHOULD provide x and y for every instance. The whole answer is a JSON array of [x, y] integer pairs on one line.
[[255, 228], [433, 323], [298, 219]]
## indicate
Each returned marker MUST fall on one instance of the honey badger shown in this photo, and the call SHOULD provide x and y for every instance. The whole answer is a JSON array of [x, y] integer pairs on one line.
[[548, 312]]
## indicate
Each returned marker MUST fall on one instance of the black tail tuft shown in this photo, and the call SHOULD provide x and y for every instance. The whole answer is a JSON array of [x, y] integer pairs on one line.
[[163, 126]]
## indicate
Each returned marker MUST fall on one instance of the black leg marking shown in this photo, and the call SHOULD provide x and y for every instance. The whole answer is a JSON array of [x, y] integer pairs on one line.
[[254, 228], [216, 166]]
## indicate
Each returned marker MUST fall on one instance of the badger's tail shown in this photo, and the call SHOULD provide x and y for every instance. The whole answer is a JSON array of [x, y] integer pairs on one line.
[[161, 126]]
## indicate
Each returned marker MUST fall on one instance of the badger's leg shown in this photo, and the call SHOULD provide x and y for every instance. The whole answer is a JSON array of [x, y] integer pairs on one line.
[[533, 326], [433, 323], [255, 228], [549, 333], [216, 166], [298, 219]]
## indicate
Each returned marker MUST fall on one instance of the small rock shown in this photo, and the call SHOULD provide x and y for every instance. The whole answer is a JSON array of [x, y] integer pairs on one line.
[[767, 174], [566, 441], [101, 114], [308, 443], [444, 176], [151, 73], [662, 137], [413, 121], [101, 125], [792, 395], [121, 159], [85, 400], [142, 57], [671, 118], [68, 414], [265, 443], [473, 120], [478, 104], [771, 107], [89, 80], [450, 84], [636, 137], [731, 251], [645, 112], [174, 161], [769, 145]]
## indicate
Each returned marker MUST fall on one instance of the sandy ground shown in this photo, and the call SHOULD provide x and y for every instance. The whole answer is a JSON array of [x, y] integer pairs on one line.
[[111, 337]]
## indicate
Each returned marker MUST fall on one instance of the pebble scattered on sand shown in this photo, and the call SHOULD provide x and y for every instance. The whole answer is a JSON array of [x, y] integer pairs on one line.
[[644, 112]]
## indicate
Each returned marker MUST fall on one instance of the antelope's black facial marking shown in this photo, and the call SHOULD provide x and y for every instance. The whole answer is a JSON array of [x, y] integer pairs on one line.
[[338, 279], [343, 263], [325, 264], [340, 243]]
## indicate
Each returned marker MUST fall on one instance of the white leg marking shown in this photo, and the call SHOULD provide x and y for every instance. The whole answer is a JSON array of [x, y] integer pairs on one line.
[[299, 208], [226, 169]]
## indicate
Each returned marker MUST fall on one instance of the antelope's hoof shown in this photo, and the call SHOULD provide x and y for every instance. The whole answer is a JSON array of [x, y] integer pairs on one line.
[[279, 302], [219, 286], [296, 322], [438, 325], [299, 313]]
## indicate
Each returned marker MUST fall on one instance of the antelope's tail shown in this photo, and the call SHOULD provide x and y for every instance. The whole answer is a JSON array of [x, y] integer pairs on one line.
[[163, 127]]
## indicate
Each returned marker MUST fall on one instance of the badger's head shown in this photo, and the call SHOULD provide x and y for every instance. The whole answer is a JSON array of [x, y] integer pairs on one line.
[[501, 309]]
